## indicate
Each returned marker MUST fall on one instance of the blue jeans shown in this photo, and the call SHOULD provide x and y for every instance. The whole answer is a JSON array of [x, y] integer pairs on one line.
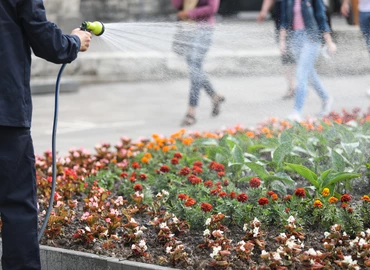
[[201, 43], [365, 27], [306, 52]]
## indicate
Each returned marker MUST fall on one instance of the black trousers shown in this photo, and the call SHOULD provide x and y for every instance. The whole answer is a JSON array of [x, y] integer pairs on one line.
[[18, 204]]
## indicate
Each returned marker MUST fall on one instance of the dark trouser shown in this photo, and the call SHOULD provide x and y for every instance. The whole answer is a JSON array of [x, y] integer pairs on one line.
[[18, 205], [201, 43], [365, 27]]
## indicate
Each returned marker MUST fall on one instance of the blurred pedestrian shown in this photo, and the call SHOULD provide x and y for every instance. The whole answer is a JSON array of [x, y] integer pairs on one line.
[[23, 24], [306, 24], [287, 59], [364, 8], [200, 15]]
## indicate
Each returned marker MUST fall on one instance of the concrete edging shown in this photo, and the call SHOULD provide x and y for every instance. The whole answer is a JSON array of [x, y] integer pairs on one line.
[[63, 259]]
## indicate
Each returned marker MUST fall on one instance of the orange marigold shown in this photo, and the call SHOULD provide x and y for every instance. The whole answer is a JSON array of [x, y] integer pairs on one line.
[[165, 149], [138, 187], [300, 192], [183, 196], [250, 134], [317, 203], [206, 207], [365, 198], [187, 141], [345, 198], [255, 182], [145, 160], [333, 200], [263, 201], [275, 197]]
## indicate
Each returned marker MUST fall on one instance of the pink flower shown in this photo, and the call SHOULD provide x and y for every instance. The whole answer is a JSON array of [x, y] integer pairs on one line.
[[108, 220]]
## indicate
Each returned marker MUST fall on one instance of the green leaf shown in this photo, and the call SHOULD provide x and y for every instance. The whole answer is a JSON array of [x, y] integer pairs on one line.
[[282, 177], [306, 173], [205, 141], [244, 179], [342, 176], [338, 161], [237, 154], [258, 169], [279, 187], [281, 151]]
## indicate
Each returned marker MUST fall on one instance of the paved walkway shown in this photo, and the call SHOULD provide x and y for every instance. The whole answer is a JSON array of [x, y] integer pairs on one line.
[[104, 113]]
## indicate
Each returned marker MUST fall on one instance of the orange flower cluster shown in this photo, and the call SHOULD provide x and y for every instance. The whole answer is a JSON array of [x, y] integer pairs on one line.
[[365, 198], [333, 200], [300, 192], [317, 203], [206, 207]]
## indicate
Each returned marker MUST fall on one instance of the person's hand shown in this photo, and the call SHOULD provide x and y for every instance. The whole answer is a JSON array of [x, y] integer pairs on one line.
[[332, 48], [85, 38], [282, 46], [183, 15], [345, 10], [261, 16]]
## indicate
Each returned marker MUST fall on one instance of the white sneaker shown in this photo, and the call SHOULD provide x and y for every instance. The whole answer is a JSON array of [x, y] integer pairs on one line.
[[368, 92], [326, 107], [295, 116]]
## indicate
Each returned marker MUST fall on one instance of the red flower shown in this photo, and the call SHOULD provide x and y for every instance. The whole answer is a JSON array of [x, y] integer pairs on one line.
[[221, 174], [206, 207], [222, 194], [242, 197], [350, 210], [174, 161], [183, 196], [190, 202], [142, 176], [135, 165], [165, 169], [275, 197], [287, 197], [226, 182], [218, 184], [177, 155], [215, 191], [344, 205], [233, 195], [287, 210], [197, 170], [194, 180], [255, 182], [270, 193], [208, 184], [133, 179], [217, 167], [184, 171], [123, 175], [300, 192], [138, 187], [198, 164], [263, 201], [345, 198]]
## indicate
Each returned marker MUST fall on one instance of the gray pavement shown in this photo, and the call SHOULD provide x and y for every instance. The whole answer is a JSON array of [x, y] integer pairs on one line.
[[105, 112]]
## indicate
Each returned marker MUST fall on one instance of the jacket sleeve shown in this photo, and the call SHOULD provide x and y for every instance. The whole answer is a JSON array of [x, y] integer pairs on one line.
[[205, 11], [46, 39], [177, 3], [283, 15], [320, 16]]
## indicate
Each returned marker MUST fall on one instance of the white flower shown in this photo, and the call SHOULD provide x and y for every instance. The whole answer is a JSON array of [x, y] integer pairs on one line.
[[280, 250], [87, 228], [362, 234], [241, 243], [206, 232], [208, 221], [290, 243], [312, 252], [348, 259], [326, 234], [219, 231], [132, 220], [168, 249], [312, 262], [133, 246], [283, 235], [163, 225], [361, 242], [264, 252], [175, 220], [255, 231], [215, 251], [344, 234], [318, 253], [276, 256], [165, 192], [245, 227], [368, 231], [142, 244], [291, 219], [139, 233], [255, 221], [242, 248]]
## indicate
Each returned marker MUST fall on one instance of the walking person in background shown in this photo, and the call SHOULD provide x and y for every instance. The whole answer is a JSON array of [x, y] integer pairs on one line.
[[306, 24], [201, 15], [287, 59], [364, 8], [23, 24]]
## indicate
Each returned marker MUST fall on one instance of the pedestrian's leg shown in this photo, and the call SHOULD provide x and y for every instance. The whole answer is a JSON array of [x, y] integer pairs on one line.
[[365, 29], [18, 206]]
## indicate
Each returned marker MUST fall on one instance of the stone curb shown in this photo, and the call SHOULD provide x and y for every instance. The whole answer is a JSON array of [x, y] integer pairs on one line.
[[47, 86], [63, 259]]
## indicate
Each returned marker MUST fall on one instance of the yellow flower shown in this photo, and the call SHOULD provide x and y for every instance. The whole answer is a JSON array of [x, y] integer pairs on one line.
[[317, 203], [332, 200], [325, 192]]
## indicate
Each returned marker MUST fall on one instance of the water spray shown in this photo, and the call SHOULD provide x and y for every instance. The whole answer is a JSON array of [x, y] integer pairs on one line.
[[96, 28]]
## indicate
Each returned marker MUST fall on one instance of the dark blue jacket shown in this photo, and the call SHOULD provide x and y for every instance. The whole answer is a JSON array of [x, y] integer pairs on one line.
[[314, 17], [23, 25]]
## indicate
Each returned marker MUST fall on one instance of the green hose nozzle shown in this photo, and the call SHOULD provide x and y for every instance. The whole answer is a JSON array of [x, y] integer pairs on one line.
[[97, 28]]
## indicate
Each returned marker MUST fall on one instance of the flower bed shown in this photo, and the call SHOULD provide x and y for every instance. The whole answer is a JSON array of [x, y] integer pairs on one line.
[[281, 196]]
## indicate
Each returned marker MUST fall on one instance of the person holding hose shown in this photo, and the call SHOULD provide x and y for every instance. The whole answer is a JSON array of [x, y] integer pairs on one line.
[[196, 43], [23, 25], [305, 23]]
